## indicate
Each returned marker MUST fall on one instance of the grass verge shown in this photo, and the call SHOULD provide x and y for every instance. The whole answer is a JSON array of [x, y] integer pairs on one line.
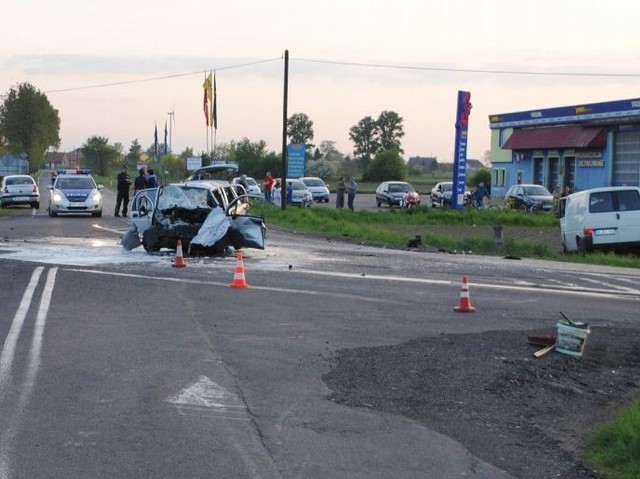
[[615, 450], [393, 227]]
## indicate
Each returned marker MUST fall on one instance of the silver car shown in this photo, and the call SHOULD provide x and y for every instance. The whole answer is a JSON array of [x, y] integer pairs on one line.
[[318, 188], [19, 190]]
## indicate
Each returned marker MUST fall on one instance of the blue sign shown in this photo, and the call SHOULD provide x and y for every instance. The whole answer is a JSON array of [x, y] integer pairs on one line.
[[568, 114], [460, 149], [295, 160]]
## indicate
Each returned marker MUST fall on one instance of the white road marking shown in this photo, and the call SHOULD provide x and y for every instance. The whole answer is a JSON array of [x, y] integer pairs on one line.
[[8, 350], [26, 389], [206, 394]]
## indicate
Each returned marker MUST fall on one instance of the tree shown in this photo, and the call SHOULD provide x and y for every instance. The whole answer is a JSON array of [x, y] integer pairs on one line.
[[29, 124], [135, 153], [387, 165], [99, 154], [365, 140], [300, 130], [250, 157], [390, 131]]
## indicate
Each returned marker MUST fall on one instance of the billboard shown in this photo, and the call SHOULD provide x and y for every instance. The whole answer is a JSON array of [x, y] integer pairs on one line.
[[460, 149]]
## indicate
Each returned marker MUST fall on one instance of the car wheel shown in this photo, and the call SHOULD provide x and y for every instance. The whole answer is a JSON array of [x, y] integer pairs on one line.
[[97, 214], [151, 240], [582, 245], [378, 204], [51, 212]]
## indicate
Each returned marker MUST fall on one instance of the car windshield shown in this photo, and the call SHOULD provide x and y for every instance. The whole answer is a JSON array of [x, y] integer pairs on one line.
[[298, 185], [251, 182], [20, 181], [75, 183], [447, 186], [400, 188], [536, 190], [314, 182], [184, 197]]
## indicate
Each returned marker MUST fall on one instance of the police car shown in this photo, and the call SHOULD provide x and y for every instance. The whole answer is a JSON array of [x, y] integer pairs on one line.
[[74, 192]]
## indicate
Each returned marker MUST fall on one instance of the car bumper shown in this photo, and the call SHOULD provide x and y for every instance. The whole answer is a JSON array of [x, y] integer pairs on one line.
[[76, 207], [19, 199]]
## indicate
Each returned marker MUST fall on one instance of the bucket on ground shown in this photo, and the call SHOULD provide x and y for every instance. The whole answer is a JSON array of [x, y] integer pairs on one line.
[[572, 337]]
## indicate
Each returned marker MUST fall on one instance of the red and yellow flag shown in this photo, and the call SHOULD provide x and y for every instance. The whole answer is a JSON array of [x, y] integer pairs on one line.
[[208, 96]]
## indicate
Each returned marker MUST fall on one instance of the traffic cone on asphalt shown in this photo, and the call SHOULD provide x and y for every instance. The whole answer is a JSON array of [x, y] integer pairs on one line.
[[238, 274], [179, 262], [464, 305]]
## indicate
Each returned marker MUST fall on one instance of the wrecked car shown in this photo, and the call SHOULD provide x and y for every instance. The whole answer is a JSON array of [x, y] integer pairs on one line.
[[194, 213]]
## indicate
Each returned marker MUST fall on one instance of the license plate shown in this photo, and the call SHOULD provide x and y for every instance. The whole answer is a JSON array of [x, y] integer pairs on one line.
[[21, 198], [605, 231]]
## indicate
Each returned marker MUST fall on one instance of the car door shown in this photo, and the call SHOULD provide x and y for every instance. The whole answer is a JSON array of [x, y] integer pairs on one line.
[[247, 228], [628, 215], [141, 210]]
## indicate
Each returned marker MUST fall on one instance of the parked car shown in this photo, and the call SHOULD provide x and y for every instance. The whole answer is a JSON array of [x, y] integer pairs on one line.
[[200, 214], [318, 188], [392, 193], [529, 197], [75, 192], [300, 194], [441, 194], [251, 185], [19, 190], [601, 218]]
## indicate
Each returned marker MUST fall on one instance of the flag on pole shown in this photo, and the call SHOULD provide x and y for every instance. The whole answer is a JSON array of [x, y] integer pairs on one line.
[[214, 108], [165, 138], [155, 144], [208, 94]]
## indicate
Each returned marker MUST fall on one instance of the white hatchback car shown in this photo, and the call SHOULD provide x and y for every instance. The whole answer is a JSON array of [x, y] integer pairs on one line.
[[19, 190], [318, 188]]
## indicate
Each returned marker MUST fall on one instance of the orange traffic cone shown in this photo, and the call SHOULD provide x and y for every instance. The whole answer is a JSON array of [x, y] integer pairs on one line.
[[464, 305], [179, 262], [238, 275]]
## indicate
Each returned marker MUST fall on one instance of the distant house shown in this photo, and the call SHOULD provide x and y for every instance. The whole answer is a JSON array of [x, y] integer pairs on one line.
[[474, 165], [64, 159], [423, 163], [14, 165]]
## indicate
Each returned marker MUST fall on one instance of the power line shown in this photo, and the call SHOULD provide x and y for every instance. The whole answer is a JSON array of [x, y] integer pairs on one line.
[[357, 64], [467, 70], [167, 77]]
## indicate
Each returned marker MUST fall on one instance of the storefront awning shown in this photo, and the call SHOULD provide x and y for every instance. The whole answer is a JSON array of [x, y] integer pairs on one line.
[[556, 137]]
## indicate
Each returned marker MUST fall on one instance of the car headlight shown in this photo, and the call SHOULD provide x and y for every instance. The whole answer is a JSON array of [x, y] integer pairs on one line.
[[57, 198], [97, 197]]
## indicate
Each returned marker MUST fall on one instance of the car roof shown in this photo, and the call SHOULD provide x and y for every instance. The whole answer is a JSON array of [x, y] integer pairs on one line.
[[220, 172]]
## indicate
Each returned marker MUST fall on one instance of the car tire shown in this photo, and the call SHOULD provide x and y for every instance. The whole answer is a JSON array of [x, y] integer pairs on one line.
[[582, 245], [52, 213], [378, 204], [97, 214], [150, 240]]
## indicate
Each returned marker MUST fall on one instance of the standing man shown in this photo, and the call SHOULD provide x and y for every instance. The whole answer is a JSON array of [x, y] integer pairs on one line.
[[140, 182], [340, 190], [268, 186], [123, 183], [351, 192]]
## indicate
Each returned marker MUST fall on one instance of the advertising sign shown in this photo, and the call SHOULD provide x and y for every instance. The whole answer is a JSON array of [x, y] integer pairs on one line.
[[194, 163], [295, 160], [460, 149]]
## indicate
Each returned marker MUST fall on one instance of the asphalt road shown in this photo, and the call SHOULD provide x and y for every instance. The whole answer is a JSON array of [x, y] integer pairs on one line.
[[116, 364]]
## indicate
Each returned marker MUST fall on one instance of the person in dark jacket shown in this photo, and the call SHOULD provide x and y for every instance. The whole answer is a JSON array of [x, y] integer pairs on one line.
[[152, 179], [140, 182], [122, 198]]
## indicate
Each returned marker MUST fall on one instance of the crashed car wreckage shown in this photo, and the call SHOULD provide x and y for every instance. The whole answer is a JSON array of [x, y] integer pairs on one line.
[[192, 214]]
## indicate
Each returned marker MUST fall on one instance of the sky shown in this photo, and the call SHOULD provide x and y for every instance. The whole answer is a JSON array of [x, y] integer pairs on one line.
[[117, 68]]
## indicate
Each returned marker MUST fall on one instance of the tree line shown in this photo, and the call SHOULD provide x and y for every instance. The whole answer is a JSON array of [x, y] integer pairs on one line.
[[29, 124]]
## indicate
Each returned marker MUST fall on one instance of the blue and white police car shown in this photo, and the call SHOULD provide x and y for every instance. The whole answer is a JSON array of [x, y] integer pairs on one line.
[[74, 192]]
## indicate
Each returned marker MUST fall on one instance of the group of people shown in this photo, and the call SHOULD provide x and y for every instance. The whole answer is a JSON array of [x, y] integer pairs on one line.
[[350, 189], [145, 179]]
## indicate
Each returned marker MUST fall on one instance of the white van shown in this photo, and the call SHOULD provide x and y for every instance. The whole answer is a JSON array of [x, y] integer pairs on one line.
[[601, 218]]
